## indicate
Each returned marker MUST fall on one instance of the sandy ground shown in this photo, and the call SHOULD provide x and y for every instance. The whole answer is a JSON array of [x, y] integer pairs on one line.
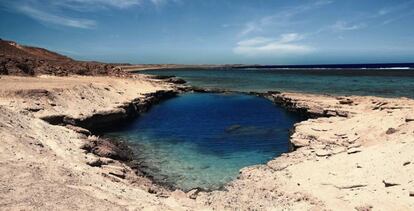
[[356, 156], [42, 166]]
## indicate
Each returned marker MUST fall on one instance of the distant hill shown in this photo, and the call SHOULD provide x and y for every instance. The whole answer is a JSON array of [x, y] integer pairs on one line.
[[13, 49], [16, 59]]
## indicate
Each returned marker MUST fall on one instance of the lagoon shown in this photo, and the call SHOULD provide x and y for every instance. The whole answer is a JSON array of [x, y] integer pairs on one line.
[[203, 140]]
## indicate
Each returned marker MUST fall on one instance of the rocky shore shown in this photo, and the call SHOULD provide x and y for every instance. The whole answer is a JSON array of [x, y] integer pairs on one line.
[[17, 59], [62, 165], [353, 153]]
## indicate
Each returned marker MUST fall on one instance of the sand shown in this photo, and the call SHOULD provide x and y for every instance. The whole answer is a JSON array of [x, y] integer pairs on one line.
[[354, 154], [43, 166]]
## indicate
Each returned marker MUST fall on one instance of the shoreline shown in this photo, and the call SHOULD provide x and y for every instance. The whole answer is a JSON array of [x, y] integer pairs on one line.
[[335, 153], [338, 108]]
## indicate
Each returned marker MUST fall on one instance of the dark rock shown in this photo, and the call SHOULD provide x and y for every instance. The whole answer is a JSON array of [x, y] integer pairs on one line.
[[390, 131], [353, 150], [118, 173], [161, 77], [346, 101], [389, 184], [176, 81], [409, 119], [152, 190], [53, 119], [364, 208], [192, 194], [273, 92], [109, 148], [34, 109], [95, 163]]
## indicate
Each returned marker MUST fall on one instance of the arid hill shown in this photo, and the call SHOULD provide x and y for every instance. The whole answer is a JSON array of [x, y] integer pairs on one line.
[[18, 59]]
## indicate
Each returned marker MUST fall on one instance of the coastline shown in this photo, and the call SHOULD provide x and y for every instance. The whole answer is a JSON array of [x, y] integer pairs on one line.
[[71, 164], [354, 153], [86, 101]]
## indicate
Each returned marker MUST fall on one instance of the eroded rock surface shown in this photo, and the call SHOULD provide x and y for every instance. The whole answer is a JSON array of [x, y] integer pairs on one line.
[[342, 158], [354, 154]]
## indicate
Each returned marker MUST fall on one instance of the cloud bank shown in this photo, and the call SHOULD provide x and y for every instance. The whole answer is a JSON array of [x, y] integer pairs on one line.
[[286, 44], [52, 11]]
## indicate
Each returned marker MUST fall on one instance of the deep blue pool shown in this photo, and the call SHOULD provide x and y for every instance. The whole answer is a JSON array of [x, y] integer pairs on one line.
[[203, 140]]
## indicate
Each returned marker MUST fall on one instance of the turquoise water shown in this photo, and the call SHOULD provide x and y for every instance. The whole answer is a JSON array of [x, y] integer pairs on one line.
[[203, 140], [376, 82]]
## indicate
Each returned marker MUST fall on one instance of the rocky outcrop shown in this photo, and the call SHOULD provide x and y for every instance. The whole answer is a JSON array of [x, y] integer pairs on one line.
[[354, 153], [16, 59], [109, 119], [311, 109], [108, 148]]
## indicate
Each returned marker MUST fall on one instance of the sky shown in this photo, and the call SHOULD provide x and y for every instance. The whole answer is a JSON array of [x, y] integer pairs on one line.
[[216, 31]]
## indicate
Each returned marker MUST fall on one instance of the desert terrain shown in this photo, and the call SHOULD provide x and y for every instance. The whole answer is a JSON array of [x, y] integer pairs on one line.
[[353, 153]]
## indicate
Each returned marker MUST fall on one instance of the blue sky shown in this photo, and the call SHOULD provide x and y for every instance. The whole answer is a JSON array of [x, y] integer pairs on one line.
[[216, 31]]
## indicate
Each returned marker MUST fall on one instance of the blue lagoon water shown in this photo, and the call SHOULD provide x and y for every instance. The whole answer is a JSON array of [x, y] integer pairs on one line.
[[376, 82], [203, 140]]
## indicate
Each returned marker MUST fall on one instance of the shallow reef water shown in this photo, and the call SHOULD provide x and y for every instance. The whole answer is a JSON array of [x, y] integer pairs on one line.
[[376, 82], [202, 140]]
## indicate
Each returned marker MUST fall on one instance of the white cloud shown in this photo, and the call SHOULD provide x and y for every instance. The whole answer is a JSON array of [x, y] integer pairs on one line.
[[345, 26], [158, 2], [52, 11], [291, 37], [264, 46], [55, 19], [122, 4], [396, 8], [282, 18]]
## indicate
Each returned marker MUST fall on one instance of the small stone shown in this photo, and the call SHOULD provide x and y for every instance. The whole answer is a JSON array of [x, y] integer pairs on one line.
[[192, 194], [322, 153], [411, 194], [406, 163], [390, 131], [117, 173], [389, 184], [95, 162], [152, 190], [353, 150], [346, 101], [364, 208]]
